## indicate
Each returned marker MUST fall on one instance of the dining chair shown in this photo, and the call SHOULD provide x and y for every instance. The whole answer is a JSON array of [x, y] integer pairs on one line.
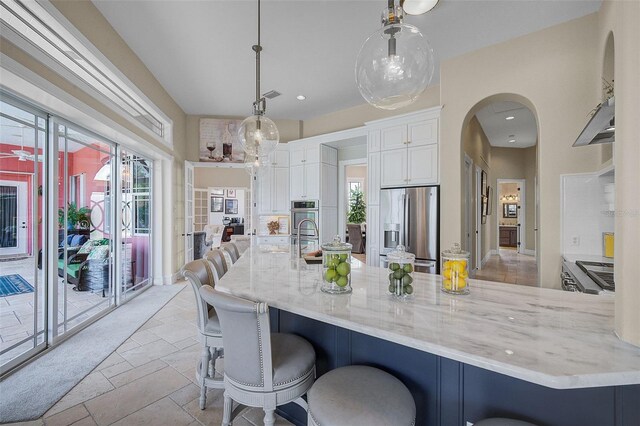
[[200, 274], [355, 238], [232, 250], [262, 369], [218, 261]]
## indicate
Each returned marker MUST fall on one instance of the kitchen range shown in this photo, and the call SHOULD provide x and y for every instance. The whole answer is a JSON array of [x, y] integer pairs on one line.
[[586, 276]]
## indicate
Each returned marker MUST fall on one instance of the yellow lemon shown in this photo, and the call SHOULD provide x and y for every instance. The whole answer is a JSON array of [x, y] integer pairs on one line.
[[464, 274], [447, 264], [447, 284], [457, 267], [461, 283], [447, 273]]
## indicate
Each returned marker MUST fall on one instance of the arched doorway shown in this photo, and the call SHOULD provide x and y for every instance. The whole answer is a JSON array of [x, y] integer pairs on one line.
[[499, 189]]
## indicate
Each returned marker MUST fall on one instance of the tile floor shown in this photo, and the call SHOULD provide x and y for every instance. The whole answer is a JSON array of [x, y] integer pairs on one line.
[[511, 267], [17, 311], [150, 379]]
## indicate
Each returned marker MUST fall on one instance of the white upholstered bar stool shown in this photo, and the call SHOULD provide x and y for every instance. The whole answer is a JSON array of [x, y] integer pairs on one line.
[[200, 273], [359, 395], [218, 261], [261, 369], [500, 421], [232, 250]]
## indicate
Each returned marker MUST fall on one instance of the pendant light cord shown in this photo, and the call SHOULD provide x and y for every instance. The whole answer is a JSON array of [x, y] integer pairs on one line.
[[257, 48]]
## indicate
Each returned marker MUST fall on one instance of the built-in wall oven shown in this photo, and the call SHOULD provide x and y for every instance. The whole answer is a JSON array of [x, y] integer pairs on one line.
[[301, 210]]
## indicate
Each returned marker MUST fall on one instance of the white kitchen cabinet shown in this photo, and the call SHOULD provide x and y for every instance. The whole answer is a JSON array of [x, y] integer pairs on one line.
[[373, 232], [423, 132], [329, 185], [279, 157], [301, 154], [328, 224], [373, 183], [273, 240], [422, 166], [312, 181], [273, 190], [297, 187], [393, 167], [393, 137]]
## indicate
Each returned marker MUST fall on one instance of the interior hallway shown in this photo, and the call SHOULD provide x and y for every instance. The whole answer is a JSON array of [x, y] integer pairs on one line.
[[510, 267], [149, 379]]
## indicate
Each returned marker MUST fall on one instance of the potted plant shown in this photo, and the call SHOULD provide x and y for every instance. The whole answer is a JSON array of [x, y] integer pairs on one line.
[[77, 218], [357, 208]]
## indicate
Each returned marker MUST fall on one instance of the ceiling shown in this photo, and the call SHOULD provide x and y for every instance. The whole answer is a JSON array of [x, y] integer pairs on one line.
[[200, 51], [522, 127]]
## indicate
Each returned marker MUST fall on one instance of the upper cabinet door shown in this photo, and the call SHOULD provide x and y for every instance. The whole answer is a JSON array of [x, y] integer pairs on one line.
[[280, 158], [312, 154], [296, 179], [393, 137], [297, 155], [423, 165], [424, 132], [312, 181], [280, 190], [393, 169], [264, 194]]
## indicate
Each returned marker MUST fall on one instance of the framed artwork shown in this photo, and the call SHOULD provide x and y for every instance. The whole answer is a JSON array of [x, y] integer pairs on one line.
[[485, 207], [510, 210], [230, 206], [219, 141], [489, 200], [218, 192], [483, 183], [231, 193], [217, 204]]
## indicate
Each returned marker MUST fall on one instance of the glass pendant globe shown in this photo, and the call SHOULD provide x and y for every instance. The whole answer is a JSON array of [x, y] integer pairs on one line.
[[258, 136], [394, 66], [256, 166]]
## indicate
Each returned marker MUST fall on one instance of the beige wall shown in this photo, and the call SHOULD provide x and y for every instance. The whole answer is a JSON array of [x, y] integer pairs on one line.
[[208, 177], [358, 115], [622, 19], [289, 130], [549, 72], [477, 147]]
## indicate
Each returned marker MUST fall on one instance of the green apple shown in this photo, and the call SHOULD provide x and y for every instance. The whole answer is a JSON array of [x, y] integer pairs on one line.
[[343, 268], [398, 274], [392, 288], [343, 257], [408, 268], [394, 266], [408, 289], [342, 281], [407, 280], [330, 275]]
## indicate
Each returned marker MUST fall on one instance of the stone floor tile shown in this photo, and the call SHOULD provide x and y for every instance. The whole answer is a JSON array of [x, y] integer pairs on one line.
[[162, 412], [143, 337], [212, 414], [185, 343], [87, 421], [137, 373], [256, 417], [149, 352], [185, 360], [67, 417], [186, 394], [38, 422], [123, 401], [116, 369], [129, 344], [112, 359], [93, 385], [150, 324]]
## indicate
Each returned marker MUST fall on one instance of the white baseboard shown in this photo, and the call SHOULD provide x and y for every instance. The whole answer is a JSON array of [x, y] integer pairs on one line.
[[168, 279], [528, 252], [487, 256]]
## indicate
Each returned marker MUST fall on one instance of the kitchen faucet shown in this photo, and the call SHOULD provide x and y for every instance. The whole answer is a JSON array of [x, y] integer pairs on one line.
[[315, 225]]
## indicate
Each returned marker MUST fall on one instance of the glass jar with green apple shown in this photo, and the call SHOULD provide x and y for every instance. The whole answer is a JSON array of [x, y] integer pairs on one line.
[[401, 267], [336, 267]]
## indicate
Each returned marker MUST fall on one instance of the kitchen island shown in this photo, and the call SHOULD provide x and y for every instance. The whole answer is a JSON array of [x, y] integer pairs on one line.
[[547, 356]]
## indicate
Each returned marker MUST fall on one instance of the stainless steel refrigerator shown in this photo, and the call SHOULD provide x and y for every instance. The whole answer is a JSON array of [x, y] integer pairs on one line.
[[410, 216]]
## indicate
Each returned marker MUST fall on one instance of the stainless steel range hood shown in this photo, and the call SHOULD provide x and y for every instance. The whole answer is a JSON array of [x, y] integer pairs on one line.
[[601, 127]]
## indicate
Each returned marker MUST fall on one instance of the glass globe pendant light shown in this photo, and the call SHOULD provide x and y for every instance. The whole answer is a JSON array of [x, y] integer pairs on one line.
[[395, 64], [257, 134], [256, 166]]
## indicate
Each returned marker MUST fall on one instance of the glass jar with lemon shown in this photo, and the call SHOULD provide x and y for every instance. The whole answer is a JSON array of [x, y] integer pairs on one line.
[[336, 267], [455, 270], [401, 267]]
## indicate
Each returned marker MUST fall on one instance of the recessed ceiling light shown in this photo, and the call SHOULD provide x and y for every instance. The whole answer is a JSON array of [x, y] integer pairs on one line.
[[301, 97], [512, 140], [511, 117]]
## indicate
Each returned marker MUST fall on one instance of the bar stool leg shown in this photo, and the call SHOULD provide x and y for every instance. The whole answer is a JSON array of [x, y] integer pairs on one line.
[[269, 417], [226, 414], [204, 372]]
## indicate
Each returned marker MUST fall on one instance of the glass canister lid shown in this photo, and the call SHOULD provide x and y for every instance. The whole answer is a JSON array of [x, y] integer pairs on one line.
[[401, 255], [336, 245], [456, 252]]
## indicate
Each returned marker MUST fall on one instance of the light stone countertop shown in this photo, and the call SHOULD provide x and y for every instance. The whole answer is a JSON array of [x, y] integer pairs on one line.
[[554, 338]]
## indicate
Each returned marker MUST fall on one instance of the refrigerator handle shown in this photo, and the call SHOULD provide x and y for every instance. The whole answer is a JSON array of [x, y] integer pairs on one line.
[[408, 222], [405, 218]]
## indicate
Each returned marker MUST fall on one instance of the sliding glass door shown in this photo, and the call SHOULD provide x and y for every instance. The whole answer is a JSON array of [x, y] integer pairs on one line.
[[22, 284], [75, 228], [86, 225]]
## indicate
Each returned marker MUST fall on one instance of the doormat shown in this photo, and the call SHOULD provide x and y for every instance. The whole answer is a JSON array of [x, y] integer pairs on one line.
[[13, 284]]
